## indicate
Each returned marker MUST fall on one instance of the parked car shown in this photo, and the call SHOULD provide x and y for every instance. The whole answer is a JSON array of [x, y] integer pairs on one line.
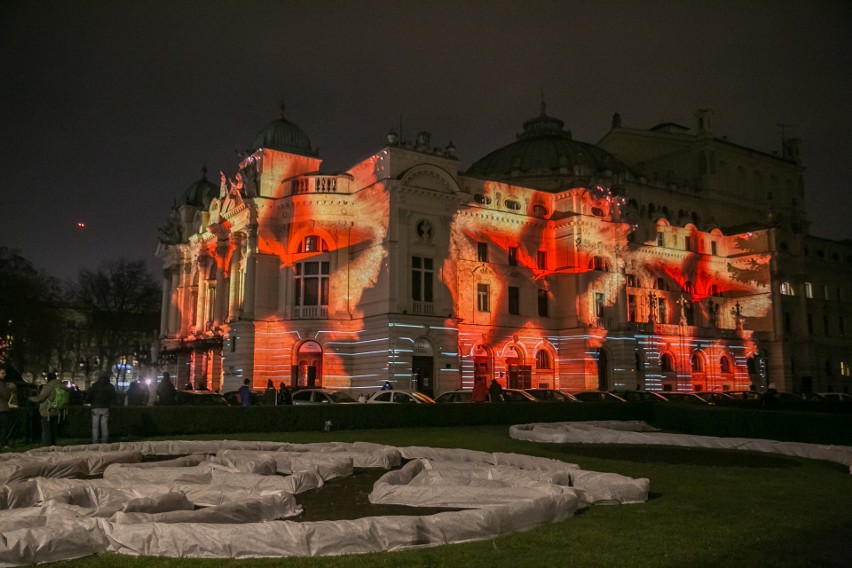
[[836, 396], [716, 397], [687, 398], [640, 396], [399, 397], [745, 395], [454, 396], [322, 396], [516, 395], [233, 398], [200, 398], [551, 395], [597, 396]]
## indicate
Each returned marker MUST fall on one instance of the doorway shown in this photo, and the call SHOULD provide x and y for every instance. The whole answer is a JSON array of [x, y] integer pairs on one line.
[[422, 375]]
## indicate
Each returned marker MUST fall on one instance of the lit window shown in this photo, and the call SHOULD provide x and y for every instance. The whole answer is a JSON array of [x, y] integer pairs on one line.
[[313, 243], [600, 300], [809, 290], [542, 360], [786, 289], [844, 369], [483, 303], [421, 279]]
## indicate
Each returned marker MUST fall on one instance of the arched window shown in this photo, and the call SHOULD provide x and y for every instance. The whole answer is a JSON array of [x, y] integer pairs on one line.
[[599, 263], [787, 289], [697, 362], [542, 359], [313, 243], [666, 363], [725, 364]]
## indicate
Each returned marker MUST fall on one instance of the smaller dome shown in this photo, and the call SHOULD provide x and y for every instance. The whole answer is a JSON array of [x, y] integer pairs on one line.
[[201, 192], [284, 136]]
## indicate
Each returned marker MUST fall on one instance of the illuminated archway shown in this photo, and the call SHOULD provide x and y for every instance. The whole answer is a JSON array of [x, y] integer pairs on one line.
[[544, 368], [307, 368], [519, 373]]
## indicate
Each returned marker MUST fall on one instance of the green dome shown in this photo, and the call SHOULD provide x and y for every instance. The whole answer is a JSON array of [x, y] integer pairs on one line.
[[543, 150], [284, 136], [201, 192]]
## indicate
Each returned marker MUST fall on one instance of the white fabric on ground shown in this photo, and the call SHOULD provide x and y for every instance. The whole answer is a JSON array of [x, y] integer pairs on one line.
[[224, 499], [610, 432]]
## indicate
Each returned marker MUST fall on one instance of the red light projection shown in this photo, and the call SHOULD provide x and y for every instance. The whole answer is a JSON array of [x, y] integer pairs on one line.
[[429, 281]]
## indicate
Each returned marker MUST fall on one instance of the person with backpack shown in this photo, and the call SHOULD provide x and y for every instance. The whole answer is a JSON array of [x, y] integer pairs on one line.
[[52, 399]]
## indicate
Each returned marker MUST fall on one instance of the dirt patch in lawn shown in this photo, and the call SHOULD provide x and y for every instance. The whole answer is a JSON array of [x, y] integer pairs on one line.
[[348, 498]]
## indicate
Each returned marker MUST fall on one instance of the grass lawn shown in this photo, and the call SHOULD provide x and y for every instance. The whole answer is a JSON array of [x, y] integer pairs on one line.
[[707, 508]]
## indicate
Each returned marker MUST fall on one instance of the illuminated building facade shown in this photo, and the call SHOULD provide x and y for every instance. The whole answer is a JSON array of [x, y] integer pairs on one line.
[[549, 262]]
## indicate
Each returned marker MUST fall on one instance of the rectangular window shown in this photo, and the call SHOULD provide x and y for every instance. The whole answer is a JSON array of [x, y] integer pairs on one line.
[[542, 303], [513, 256], [631, 307], [514, 300], [663, 315], [482, 252], [600, 299], [631, 281], [713, 248], [661, 240], [825, 292], [541, 260], [483, 303], [809, 290], [422, 277], [310, 287]]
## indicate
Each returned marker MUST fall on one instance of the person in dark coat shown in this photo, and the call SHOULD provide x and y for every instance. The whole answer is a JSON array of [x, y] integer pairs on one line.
[[101, 396], [137, 395], [166, 391], [284, 394], [49, 415], [270, 397], [495, 391], [245, 394]]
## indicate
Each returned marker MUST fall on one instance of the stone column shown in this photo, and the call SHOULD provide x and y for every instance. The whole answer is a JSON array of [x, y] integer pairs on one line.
[[165, 302], [251, 270], [235, 278], [174, 322]]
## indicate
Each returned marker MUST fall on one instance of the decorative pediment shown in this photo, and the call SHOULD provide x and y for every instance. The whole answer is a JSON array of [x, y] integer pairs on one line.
[[431, 177]]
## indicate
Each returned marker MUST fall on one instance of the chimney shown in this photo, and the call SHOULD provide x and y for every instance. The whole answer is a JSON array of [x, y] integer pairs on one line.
[[704, 117]]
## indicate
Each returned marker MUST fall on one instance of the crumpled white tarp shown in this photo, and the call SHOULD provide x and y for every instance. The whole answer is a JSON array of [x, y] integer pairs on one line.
[[612, 432], [231, 499]]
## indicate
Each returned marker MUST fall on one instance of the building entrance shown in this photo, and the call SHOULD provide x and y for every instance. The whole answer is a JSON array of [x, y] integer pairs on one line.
[[422, 375]]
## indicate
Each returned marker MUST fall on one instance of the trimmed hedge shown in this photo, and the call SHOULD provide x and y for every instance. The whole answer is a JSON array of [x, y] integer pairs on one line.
[[147, 421]]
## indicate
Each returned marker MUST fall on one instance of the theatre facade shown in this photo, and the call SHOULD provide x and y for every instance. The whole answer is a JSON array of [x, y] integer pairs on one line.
[[538, 266]]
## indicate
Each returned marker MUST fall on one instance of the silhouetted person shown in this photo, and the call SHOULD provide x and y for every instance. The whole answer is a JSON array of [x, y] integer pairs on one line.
[[284, 394], [270, 397], [495, 391], [49, 414], [101, 396], [137, 395], [244, 394], [166, 391], [387, 386]]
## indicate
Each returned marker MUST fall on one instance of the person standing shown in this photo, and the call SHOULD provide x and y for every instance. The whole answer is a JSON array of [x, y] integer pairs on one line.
[[101, 396], [495, 391], [49, 414], [270, 397], [284, 394], [245, 394], [166, 391]]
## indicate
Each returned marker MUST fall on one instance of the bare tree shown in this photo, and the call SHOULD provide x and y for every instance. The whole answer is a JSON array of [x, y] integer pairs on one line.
[[123, 302]]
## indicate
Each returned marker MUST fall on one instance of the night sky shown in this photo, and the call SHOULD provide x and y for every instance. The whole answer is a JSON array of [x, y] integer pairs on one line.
[[109, 110]]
